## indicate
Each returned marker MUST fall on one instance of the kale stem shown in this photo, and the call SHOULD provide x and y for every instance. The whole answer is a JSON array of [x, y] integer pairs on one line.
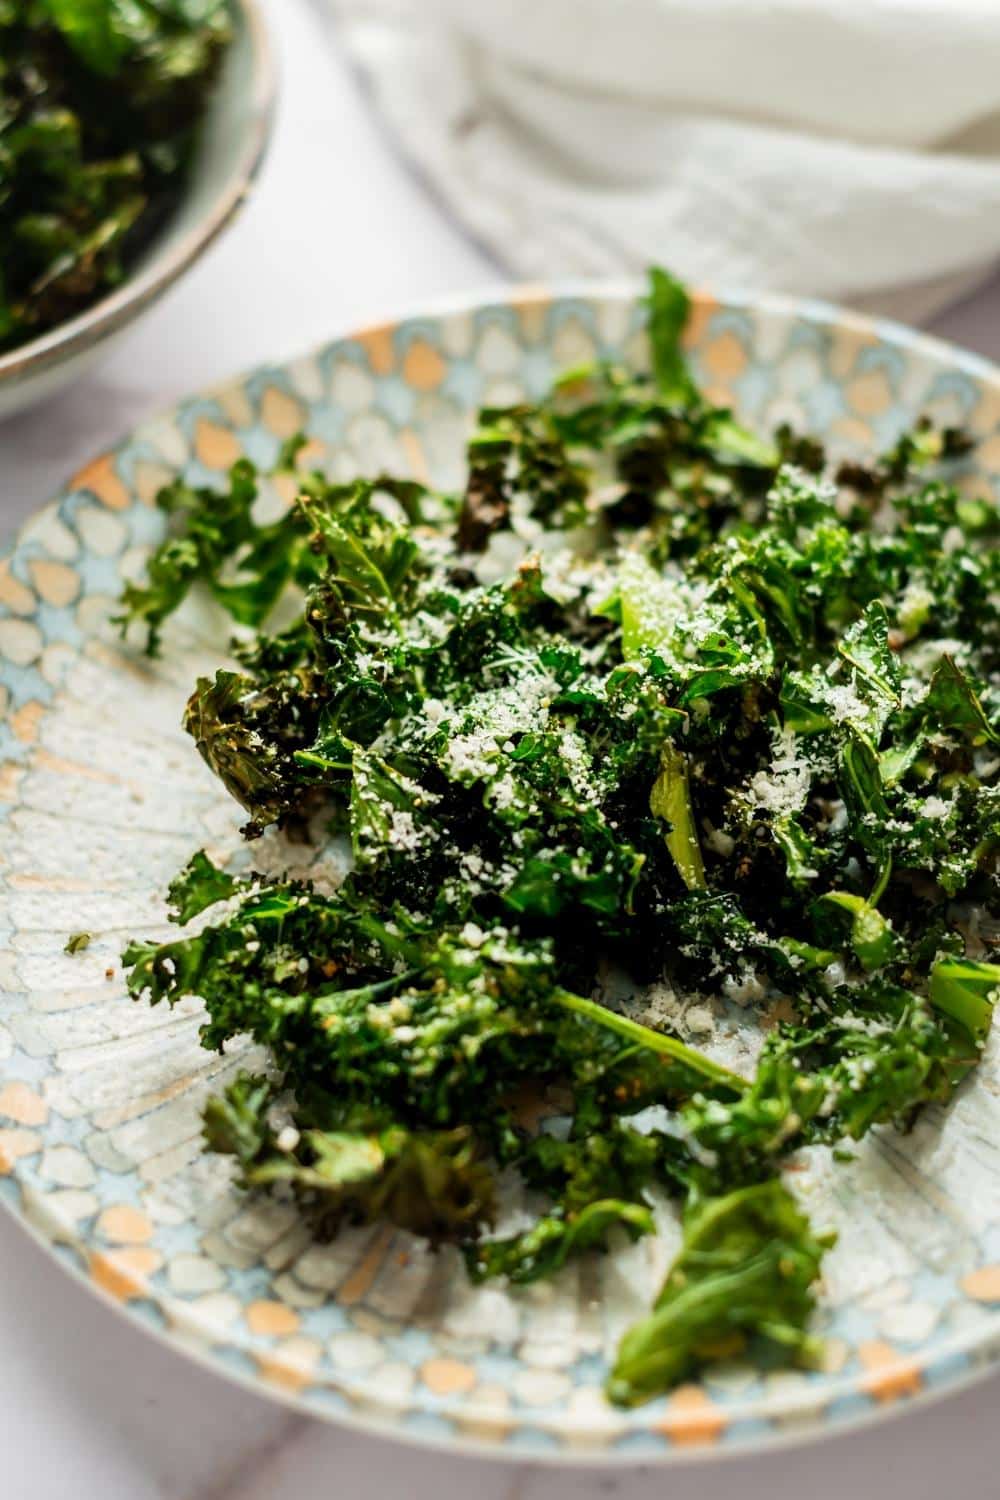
[[964, 989], [878, 890], [654, 1041]]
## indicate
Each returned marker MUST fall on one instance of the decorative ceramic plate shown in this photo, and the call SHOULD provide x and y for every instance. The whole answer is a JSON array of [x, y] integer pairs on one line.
[[102, 798]]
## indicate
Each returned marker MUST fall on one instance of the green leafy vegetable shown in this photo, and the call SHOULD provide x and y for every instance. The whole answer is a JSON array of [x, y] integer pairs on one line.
[[100, 102], [728, 732], [967, 992], [669, 307], [434, 1183], [747, 1267], [871, 934], [670, 799]]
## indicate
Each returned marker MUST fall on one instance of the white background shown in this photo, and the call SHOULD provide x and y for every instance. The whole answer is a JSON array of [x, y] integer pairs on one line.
[[338, 234]]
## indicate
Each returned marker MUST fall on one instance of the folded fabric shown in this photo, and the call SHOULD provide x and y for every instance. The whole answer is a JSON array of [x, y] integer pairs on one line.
[[846, 148]]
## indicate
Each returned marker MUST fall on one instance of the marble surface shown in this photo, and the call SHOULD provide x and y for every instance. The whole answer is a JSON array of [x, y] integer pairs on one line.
[[338, 233]]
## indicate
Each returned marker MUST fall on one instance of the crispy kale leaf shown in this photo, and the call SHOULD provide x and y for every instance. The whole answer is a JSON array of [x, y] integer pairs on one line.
[[433, 1183], [746, 1269]]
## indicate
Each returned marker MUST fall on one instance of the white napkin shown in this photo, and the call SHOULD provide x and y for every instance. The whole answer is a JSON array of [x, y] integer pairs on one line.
[[843, 148]]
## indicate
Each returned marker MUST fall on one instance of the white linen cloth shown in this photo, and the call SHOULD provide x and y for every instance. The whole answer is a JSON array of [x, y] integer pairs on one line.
[[843, 148]]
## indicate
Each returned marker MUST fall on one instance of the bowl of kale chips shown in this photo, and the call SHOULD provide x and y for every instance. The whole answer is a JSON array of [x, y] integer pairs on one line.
[[129, 136]]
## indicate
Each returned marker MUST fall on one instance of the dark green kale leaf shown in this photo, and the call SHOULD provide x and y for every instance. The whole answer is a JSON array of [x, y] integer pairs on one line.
[[598, 1182], [200, 885], [953, 703], [544, 1248], [250, 737], [877, 1060], [433, 1183], [219, 529], [516, 455]]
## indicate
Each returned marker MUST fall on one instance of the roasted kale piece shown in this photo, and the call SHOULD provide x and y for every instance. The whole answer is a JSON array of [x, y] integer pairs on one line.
[[655, 700], [100, 103], [435, 1183], [746, 1269]]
